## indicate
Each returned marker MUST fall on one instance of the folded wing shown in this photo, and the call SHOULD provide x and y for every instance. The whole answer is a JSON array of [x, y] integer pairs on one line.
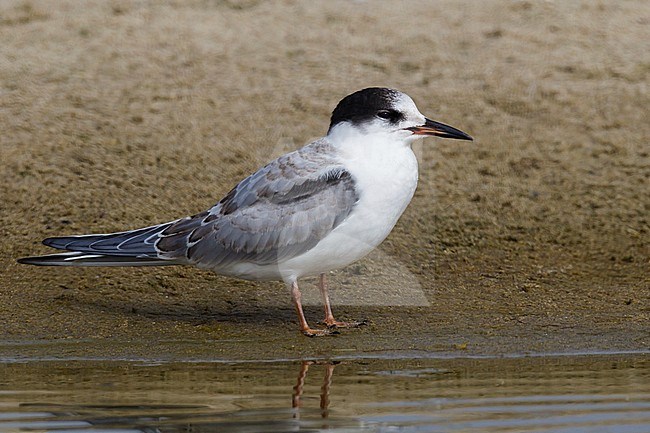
[[278, 213]]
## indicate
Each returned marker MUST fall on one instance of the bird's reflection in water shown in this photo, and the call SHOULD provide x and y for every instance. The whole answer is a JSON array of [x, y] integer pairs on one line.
[[296, 400], [181, 416]]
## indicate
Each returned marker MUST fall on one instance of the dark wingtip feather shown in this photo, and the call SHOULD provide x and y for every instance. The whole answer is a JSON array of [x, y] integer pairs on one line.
[[47, 260], [76, 258], [26, 261], [54, 243], [39, 260]]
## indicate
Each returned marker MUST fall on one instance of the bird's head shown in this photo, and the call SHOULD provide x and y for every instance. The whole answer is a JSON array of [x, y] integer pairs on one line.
[[387, 113]]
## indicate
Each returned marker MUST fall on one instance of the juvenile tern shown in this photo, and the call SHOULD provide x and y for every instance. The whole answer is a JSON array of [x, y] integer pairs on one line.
[[308, 212]]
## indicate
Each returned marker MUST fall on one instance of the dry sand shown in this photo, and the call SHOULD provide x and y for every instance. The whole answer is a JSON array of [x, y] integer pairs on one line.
[[533, 238]]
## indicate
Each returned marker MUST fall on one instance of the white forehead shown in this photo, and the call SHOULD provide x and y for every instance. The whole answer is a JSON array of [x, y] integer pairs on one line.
[[404, 104]]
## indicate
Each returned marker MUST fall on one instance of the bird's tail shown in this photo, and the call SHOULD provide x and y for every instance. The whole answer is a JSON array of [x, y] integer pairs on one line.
[[130, 248]]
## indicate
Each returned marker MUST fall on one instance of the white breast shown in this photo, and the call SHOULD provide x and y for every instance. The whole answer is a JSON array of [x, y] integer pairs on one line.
[[386, 175]]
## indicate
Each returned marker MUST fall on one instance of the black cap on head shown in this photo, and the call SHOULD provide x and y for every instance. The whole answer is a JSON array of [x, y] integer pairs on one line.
[[363, 105]]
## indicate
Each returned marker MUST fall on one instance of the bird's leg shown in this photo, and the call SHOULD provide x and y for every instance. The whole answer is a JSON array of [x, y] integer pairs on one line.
[[322, 286], [329, 320], [304, 326]]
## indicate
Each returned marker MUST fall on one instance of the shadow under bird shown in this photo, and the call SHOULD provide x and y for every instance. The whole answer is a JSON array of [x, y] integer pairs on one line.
[[308, 212]]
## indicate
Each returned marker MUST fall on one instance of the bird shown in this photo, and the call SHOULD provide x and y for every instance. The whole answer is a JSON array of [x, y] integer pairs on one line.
[[311, 211]]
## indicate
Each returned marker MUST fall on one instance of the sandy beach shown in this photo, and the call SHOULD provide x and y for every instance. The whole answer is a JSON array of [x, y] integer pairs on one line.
[[534, 238]]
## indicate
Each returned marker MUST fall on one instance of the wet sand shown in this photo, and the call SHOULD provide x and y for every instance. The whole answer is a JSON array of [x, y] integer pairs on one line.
[[532, 239]]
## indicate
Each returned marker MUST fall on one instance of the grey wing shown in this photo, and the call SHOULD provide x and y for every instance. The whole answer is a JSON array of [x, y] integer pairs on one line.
[[278, 213]]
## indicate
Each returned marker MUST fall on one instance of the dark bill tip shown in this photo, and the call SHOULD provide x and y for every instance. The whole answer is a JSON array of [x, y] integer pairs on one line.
[[431, 127]]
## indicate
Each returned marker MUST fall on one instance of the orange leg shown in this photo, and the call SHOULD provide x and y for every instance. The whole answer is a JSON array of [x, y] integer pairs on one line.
[[329, 320], [296, 297]]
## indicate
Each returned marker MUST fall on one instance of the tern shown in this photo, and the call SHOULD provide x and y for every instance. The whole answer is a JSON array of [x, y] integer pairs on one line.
[[306, 213]]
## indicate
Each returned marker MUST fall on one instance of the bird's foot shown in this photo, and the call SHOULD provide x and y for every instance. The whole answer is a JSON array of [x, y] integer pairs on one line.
[[333, 324], [309, 332]]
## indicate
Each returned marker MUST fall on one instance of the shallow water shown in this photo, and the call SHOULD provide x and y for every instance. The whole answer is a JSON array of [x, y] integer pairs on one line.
[[539, 394]]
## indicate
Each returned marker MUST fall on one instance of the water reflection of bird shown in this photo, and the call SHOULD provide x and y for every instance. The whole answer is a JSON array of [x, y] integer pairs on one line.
[[310, 211], [298, 389]]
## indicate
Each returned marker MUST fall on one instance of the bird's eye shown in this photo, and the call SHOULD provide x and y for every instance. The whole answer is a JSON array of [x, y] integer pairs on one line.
[[386, 114]]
